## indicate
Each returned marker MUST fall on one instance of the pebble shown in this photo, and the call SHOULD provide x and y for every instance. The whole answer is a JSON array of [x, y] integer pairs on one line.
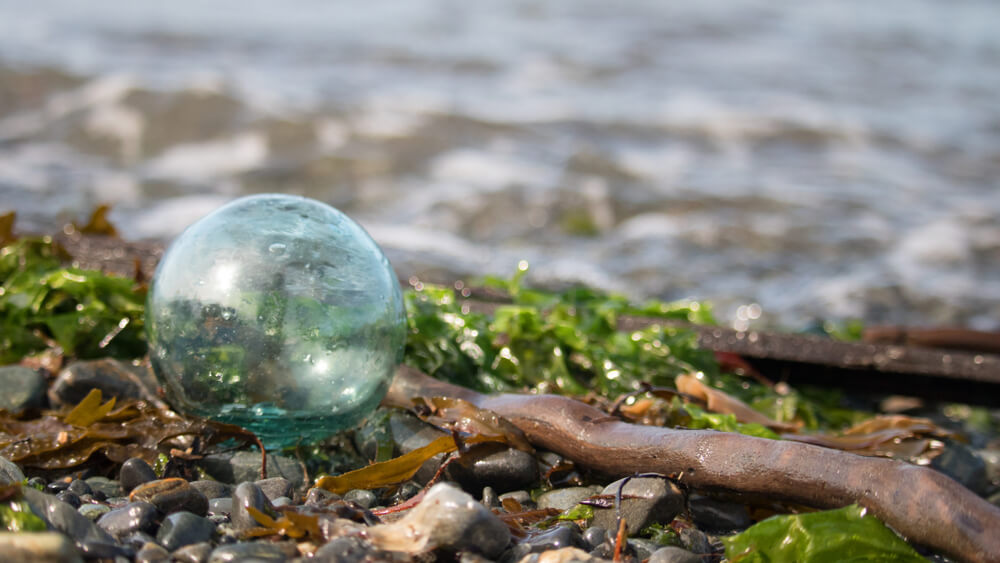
[[63, 517], [171, 495], [245, 466], [645, 500], [346, 549], [410, 433], [79, 487], [490, 498], [70, 498], [695, 541], [23, 388], [10, 472], [183, 528], [320, 497], [257, 550], [220, 505], [213, 489], [718, 516], [275, 487], [505, 470], [38, 546], [566, 498], [104, 486], [134, 472], [361, 497], [112, 377], [105, 550], [245, 496], [594, 536], [673, 554], [556, 537], [127, 520], [193, 553], [522, 497], [93, 511], [448, 517], [564, 555], [959, 462], [152, 553], [642, 548]]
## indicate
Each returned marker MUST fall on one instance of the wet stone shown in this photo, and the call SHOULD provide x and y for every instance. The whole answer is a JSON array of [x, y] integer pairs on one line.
[[104, 486], [63, 517], [347, 549], [320, 497], [275, 487], [960, 462], [152, 553], [194, 553], [112, 377], [410, 433], [184, 528], [70, 498], [79, 487], [135, 517], [39, 546], [243, 551], [522, 497], [93, 511], [24, 388], [405, 492], [490, 498], [134, 472], [137, 539], [718, 516], [245, 466], [594, 536], [556, 537], [105, 550], [506, 469], [281, 501], [10, 472], [220, 505], [695, 541], [642, 548], [645, 501], [673, 554], [35, 482], [248, 495], [213, 489], [171, 495], [566, 498], [361, 497]]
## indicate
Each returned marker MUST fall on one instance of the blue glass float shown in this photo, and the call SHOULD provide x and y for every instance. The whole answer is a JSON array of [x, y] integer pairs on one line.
[[279, 314]]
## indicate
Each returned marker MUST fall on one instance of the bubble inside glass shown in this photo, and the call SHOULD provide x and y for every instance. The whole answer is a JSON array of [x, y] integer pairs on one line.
[[279, 314]]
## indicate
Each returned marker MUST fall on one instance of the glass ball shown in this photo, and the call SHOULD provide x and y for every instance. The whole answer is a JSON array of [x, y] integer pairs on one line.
[[279, 314]]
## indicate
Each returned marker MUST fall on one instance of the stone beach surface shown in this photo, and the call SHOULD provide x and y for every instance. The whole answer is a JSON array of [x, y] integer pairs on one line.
[[134, 512]]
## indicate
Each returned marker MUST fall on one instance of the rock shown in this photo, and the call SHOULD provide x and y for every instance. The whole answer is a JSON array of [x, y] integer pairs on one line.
[[410, 433], [642, 548], [645, 500], [245, 466], [70, 498], [346, 549], [127, 520], [405, 492], [249, 495], [9, 472], [112, 377], [566, 498], [108, 487], [275, 487], [718, 516], [320, 497], [79, 487], [23, 388], [93, 511], [361, 497], [695, 541], [213, 489], [63, 517], [959, 462], [220, 505], [504, 469], [171, 495], [105, 550], [554, 538], [564, 555], [490, 498], [594, 536], [194, 553], [281, 501], [134, 472], [522, 497], [184, 528], [28, 547], [137, 539], [672, 554], [152, 553], [447, 518], [261, 551]]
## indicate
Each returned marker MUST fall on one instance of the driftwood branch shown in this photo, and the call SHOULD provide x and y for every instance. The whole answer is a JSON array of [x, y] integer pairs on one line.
[[921, 504]]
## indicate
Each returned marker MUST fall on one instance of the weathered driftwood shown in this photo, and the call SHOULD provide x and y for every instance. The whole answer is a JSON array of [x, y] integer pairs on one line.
[[919, 503]]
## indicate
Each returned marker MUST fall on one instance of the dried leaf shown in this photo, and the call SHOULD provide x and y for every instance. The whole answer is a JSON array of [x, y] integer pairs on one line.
[[456, 415], [895, 436], [720, 402], [7, 227], [98, 224], [89, 410]]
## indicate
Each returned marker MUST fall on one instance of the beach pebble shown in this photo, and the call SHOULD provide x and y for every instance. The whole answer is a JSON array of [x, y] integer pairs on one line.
[[171, 495], [114, 378], [93, 511], [213, 489], [134, 472], [961, 463], [248, 495], [23, 388], [695, 541], [554, 538], [504, 469], [362, 497], [673, 554], [245, 466], [63, 517], [127, 520], [10, 472], [70, 498], [718, 516], [242, 551], [645, 500], [348, 549], [193, 553], [594, 536], [105, 550], [183, 528], [152, 553], [38, 546], [104, 486], [220, 505], [566, 498], [564, 555], [275, 487]]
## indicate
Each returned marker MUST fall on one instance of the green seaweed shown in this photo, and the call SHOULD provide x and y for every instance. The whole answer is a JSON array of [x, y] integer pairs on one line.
[[844, 534]]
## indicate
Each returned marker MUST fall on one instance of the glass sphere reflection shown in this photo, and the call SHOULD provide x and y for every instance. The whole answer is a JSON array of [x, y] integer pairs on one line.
[[277, 313]]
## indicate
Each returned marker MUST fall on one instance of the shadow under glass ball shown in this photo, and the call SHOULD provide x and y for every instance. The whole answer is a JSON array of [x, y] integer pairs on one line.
[[279, 314]]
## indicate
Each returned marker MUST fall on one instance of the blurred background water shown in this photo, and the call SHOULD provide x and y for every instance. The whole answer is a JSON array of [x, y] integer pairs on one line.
[[821, 159]]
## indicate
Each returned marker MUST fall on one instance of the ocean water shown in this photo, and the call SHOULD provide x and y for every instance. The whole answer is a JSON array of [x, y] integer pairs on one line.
[[786, 160]]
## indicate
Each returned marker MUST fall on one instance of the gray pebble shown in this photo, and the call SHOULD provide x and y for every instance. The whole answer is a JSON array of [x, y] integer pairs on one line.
[[213, 489], [136, 540], [566, 498], [320, 497], [193, 553], [184, 528], [645, 500], [70, 498], [695, 541], [346, 549], [361, 497], [505, 470], [171, 495], [105, 550], [23, 388], [961, 463], [245, 496], [220, 505], [410, 433], [132, 518], [594, 536], [109, 487], [245, 466], [275, 487], [556, 537], [93, 511], [38, 546], [63, 517], [522, 497], [642, 548], [718, 516], [79, 487], [134, 472], [281, 501], [243, 551], [672, 554], [490, 498], [152, 553], [9, 472], [112, 377]]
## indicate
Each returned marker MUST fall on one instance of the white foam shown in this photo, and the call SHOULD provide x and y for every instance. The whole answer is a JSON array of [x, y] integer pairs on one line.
[[200, 161], [489, 171], [120, 123], [166, 219], [445, 246]]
